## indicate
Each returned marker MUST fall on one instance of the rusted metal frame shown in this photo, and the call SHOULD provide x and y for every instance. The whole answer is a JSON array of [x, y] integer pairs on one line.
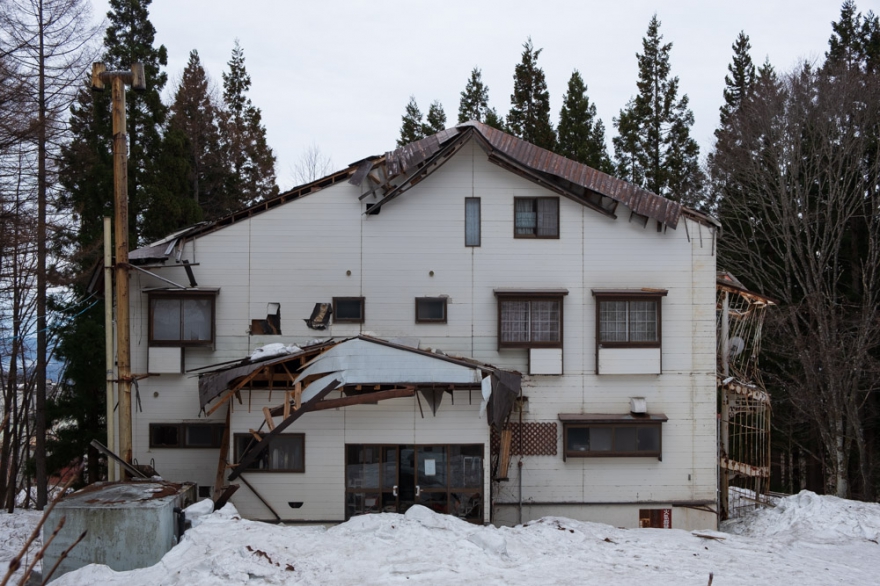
[[224, 457], [430, 165], [131, 470], [255, 450]]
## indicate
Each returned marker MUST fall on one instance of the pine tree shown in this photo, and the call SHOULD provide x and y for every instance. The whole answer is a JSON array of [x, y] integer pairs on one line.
[[436, 119], [581, 134], [250, 160], [653, 147], [738, 84], [129, 38], [412, 128], [194, 114], [529, 116], [854, 42], [495, 121], [474, 103]]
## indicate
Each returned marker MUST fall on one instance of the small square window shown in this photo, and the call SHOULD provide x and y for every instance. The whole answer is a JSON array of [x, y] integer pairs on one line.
[[431, 310], [348, 310], [536, 217], [164, 436]]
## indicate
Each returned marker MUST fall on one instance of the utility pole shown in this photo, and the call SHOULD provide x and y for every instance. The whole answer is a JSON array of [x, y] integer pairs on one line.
[[118, 80]]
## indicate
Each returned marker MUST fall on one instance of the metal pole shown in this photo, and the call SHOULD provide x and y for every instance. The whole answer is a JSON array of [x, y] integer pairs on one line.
[[108, 343]]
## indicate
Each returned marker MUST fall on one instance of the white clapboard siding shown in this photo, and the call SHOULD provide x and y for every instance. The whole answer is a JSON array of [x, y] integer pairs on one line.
[[322, 246], [545, 361]]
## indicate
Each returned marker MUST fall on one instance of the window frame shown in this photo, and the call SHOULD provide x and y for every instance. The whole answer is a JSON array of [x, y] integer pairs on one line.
[[629, 296], [530, 296], [630, 421], [479, 222], [348, 320], [237, 456], [181, 296], [216, 436], [443, 320], [536, 235]]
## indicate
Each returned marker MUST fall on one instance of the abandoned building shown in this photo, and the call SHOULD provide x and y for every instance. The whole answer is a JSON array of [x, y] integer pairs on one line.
[[469, 322]]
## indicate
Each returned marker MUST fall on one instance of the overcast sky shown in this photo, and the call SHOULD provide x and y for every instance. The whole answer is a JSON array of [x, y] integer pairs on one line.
[[338, 74]]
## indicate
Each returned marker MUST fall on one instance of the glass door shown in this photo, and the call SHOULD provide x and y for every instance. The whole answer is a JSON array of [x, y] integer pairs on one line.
[[371, 479]]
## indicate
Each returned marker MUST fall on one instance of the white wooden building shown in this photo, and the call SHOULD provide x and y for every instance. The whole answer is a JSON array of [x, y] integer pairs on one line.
[[481, 257]]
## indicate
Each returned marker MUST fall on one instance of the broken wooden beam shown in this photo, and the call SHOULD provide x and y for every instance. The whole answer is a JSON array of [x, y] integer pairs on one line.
[[269, 421], [360, 399]]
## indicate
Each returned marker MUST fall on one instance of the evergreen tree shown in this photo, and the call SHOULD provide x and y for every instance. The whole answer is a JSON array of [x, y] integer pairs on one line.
[[250, 160], [495, 121], [474, 103], [194, 115], [854, 42], [412, 128], [653, 147], [738, 84], [581, 134], [129, 38], [436, 119], [529, 116]]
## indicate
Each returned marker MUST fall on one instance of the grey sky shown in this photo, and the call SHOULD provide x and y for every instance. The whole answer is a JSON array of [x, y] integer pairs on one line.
[[339, 73]]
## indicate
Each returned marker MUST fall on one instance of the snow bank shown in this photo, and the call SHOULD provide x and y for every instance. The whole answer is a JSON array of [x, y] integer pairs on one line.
[[813, 518], [808, 540], [15, 529]]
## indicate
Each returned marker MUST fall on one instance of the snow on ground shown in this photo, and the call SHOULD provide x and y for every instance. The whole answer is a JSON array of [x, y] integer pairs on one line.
[[14, 532], [806, 540]]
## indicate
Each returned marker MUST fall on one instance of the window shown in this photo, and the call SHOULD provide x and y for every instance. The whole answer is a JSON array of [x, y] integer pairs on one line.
[[181, 319], [348, 310], [186, 435], [472, 221], [530, 319], [286, 452], [597, 436], [536, 217], [431, 310], [628, 318]]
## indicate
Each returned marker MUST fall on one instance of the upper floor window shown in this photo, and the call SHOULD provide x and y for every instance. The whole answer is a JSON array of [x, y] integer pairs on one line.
[[530, 319], [536, 217], [348, 310], [472, 221], [186, 435], [628, 318], [181, 319]]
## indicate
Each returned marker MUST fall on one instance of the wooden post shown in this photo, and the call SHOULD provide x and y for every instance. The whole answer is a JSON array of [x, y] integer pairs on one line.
[[118, 79], [108, 342], [504, 458], [224, 457]]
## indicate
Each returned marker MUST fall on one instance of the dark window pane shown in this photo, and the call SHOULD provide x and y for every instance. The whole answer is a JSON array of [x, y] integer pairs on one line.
[[548, 217], [389, 467], [428, 309], [649, 439], [578, 439], [199, 436], [164, 436], [354, 467], [466, 505], [625, 439], [465, 466], [370, 456], [432, 467], [349, 309], [166, 319], [472, 221], [600, 439]]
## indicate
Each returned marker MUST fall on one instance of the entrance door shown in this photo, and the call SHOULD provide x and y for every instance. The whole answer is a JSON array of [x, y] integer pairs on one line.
[[447, 479]]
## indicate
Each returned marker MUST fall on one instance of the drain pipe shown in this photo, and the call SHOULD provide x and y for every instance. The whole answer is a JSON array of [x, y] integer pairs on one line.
[[520, 466]]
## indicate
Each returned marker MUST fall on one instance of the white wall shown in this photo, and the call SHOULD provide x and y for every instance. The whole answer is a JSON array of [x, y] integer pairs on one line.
[[298, 254]]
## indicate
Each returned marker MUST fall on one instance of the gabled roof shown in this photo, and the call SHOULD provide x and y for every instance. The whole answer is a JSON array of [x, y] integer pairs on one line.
[[395, 172]]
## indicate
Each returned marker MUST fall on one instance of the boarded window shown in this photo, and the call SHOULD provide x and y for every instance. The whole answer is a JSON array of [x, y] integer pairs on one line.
[[536, 217], [472, 221]]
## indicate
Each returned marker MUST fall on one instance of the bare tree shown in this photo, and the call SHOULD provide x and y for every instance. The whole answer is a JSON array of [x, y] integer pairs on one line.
[[48, 42], [312, 164], [798, 180]]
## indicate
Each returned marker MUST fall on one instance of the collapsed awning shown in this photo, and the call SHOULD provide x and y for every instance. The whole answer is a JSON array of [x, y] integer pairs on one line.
[[367, 370]]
